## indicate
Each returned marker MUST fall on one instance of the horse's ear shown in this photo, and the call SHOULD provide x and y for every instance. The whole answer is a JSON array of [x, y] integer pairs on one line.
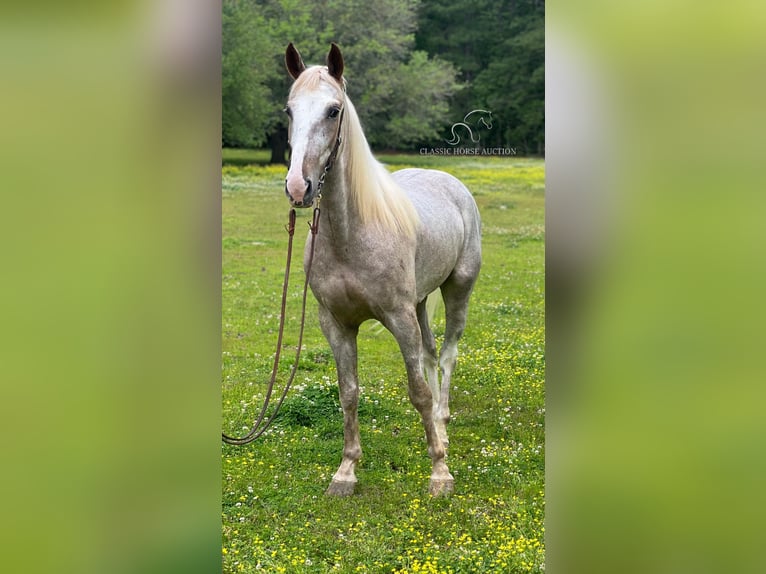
[[293, 61], [335, 62]]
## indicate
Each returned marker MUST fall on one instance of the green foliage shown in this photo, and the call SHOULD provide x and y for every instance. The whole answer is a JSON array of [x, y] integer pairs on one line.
[[245, 112], [499, 48], [377, 40], [423, 87], [414, 68], [275, 517], [311, 407], [401, 96], [513, 86], [243, 156]]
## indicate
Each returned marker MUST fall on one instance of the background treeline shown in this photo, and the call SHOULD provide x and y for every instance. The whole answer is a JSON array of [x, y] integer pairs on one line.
[[414, 67]]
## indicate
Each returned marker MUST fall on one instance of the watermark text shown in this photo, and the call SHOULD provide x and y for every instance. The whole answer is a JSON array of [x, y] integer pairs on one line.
[[464, 151]]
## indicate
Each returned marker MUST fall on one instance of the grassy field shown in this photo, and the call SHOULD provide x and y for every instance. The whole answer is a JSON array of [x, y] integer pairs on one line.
[[275, 516]]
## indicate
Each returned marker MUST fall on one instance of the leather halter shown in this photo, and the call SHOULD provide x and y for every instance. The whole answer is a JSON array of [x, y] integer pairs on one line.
[[333, 155]]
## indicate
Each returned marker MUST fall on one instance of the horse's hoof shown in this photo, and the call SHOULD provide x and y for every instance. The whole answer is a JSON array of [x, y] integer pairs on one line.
[[340, 488], [441, 486]]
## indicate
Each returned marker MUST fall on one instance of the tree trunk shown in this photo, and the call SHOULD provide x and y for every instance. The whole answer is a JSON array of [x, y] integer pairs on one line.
[[278, 144]]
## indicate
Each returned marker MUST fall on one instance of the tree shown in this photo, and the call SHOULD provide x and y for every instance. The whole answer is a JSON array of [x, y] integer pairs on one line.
[[514, 88], [498, 47], [401, 96], [245, 74], [423, 88]]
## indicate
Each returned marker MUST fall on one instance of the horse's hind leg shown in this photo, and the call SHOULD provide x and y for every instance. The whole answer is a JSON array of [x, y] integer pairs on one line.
[[430, 368], [456, 293], [343, 342], [405, 328]]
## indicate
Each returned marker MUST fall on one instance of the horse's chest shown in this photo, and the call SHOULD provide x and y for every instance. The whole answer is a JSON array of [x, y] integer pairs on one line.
[[354, 291], [341, 292]]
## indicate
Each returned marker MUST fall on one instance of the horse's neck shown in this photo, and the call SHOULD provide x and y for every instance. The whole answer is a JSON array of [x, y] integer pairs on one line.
[[338, 216]]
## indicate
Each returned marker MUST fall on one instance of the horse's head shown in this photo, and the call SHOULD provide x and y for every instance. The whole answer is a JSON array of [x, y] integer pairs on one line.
[[315, 107]]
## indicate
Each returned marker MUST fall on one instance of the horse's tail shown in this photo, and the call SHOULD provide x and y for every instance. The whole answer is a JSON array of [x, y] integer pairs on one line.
[[432, 304]]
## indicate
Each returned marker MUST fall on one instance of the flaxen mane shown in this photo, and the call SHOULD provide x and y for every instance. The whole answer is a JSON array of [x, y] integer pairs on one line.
[[378, 198]]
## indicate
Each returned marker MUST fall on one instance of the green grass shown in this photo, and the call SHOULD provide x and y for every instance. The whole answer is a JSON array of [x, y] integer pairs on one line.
[[275, 516], [237, 156]]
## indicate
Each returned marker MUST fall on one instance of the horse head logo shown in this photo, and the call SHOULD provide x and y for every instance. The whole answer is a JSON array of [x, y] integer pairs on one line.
[[480, 118]]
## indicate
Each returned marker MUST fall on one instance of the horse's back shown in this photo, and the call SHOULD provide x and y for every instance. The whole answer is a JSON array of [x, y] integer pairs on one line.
[[449, 236], [435, 193]]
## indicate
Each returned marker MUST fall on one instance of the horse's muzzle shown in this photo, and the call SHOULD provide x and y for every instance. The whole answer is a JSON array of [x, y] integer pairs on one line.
[[298, 198]]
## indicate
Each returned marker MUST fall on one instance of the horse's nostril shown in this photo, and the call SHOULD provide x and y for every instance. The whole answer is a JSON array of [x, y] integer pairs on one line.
[[299, 190]]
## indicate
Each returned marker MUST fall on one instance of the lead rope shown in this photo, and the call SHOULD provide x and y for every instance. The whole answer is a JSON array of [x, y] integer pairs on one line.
[[259, 427], [257, 430]]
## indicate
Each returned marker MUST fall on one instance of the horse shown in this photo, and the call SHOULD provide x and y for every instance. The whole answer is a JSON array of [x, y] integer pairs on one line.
[[385, 242]]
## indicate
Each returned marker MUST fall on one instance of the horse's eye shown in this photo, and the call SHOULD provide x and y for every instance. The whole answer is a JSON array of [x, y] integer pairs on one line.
[[288, 111], [333, 113]]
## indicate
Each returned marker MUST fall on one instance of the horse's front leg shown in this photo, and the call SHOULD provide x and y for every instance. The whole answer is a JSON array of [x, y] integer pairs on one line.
[[404, 325], [343, 342]]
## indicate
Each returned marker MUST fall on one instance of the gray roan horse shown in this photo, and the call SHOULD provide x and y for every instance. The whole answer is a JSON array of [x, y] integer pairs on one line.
[[385, 242]]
